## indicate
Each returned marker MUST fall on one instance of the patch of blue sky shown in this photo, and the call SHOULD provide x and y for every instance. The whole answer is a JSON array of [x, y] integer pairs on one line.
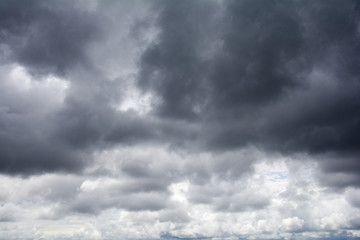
[[277, 176]]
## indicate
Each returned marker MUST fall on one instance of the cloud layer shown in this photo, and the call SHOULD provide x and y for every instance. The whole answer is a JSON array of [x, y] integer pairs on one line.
[[179, 119]]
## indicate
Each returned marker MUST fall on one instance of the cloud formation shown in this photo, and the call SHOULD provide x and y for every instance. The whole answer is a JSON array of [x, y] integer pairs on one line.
[[268, 74], [179, 119]]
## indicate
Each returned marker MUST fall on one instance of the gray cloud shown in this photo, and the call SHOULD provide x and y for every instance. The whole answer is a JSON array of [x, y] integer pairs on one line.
[[26, 127], [176, 216], [242, 202], [240, 76], [9, 213], [224, 117], [92, 204], [173, 67], [45, 36], [274, 75], [222, 197], [58, 133], [352, 197]]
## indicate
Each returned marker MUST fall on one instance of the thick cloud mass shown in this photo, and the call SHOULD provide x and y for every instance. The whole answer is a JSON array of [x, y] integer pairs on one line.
[[47, 37], [179, 119], [278, 75]]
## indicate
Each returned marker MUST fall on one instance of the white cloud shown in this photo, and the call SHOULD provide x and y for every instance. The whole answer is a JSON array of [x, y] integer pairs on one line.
[[276, 198], [293, 224]]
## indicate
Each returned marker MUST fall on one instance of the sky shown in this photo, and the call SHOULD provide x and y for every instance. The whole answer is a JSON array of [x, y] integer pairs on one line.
[[191, 119]]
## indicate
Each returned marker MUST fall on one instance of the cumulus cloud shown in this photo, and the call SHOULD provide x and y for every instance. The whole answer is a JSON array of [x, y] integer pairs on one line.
[[179, 119], [293, 224]]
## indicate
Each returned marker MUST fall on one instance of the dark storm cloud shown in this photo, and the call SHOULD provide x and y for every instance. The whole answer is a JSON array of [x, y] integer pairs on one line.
[[259, 39], [86, 124], [52, 39], [279, 75], [173, 67], [47, 37], [25, 136], [31, 155], [231, 61], [63, 138]]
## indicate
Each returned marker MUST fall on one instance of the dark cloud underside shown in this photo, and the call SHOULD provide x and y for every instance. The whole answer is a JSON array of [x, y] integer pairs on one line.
[[45, 36], [282, 76], [278, 75]]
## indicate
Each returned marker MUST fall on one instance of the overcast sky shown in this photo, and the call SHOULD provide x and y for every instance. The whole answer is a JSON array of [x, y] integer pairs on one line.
[[206, 119]]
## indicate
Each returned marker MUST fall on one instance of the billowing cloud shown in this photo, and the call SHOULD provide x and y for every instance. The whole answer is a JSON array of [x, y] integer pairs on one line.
[[259, 73], [47, 37], [179, 119]]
